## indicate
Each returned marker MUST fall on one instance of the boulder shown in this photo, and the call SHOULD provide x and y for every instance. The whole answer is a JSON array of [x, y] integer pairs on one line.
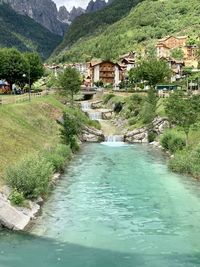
[[91, 135], [16, 218]]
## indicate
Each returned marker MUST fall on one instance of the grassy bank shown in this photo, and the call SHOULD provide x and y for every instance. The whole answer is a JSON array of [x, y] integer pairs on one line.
[[31, 128]]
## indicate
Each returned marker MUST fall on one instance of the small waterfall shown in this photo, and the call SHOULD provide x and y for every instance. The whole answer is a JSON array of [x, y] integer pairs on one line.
[[85, 106], [95, 115], [115, 138]]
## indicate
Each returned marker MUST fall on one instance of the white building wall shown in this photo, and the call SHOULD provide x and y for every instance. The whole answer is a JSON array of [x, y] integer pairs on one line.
[[117, 73], [96, 73]]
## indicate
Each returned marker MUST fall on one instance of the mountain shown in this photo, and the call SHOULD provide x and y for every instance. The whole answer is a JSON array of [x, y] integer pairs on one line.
[[96, 22], [142, 26], [75, 12], [24, 33], [64, 15], [42, 11], [95, 5]]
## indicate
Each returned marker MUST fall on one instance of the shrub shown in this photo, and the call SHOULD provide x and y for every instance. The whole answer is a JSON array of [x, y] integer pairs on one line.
[[30, 176], [152, 136], [58, 156], [187, 161], [99, 84], [180, 163], [118, 107], [172, 141], [107, 97], [17, 198]]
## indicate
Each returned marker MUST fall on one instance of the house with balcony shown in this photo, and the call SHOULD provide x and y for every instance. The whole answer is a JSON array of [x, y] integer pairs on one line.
[[106, 71]]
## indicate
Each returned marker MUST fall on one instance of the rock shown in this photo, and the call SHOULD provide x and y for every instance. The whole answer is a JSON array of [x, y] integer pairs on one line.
[[91, 135], [16, 218], [95, 5], [107, 115], [6, 191], [42, 11], [39, 201], [96, 105]]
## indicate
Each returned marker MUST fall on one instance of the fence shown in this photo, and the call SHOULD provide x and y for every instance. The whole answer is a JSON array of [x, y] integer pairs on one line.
[[14, 99]]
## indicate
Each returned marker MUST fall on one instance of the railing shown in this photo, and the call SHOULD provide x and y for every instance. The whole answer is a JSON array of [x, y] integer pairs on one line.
[[12, 99]]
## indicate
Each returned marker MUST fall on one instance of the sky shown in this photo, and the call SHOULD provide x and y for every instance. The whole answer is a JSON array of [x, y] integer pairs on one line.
[[70, 3]]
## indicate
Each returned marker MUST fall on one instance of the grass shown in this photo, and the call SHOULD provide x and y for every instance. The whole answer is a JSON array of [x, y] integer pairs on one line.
[[26, 128]]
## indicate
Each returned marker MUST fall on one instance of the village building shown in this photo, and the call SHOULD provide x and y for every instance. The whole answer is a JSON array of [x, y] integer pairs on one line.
[[166, 45], [176, 66], [128, 61], [106, 71]]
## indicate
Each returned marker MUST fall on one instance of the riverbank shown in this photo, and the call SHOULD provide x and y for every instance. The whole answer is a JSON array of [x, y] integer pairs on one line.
[[31, 152]]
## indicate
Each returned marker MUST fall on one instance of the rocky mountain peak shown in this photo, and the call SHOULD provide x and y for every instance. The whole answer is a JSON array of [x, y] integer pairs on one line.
[[95, 5], [76, 12], [42, 11], [63, 14]]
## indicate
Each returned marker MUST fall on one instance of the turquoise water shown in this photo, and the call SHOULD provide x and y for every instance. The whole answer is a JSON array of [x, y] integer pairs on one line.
[[114, 207]]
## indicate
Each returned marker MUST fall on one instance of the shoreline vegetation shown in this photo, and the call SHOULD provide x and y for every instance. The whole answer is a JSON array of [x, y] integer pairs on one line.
[[33, 129]]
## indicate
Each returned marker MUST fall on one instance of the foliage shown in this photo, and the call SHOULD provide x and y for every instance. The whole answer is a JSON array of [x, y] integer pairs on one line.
[[153, 71], [182, 111], [150, 105], [35, 67], [25, 34], [58, 156], [187, 162], [107, 97], [70, 82], [70, 129], [172, 141], [177, 53], [31, 176], [17, 198], [151, 136], [14, 65], [99, 84], [20, 68]]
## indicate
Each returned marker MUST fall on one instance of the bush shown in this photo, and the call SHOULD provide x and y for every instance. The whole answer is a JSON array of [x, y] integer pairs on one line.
[[107, 97], [30, 176], [172, 141], [151, 136], [180, 163], [99, 84], [17, 198], [58, 156], [187, 162]]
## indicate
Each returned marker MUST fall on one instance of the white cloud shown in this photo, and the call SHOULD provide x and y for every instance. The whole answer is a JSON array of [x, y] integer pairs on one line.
[[70, 3]]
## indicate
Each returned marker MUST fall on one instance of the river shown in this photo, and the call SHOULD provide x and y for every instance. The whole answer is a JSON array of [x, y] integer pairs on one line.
[[114, 207]]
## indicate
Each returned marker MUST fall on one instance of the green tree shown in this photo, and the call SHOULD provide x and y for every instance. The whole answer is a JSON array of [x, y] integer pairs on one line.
[[35, 67], [152, 71], [70, 82], [70, 128], [13, 65], [177, 53], [182, 111]]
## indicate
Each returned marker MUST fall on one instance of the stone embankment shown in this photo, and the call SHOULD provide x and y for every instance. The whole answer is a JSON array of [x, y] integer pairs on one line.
[[91, 135], [141, 135], [18, 218]]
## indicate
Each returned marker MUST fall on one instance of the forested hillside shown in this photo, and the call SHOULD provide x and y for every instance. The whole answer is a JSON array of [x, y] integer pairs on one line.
[[96, 22], [147, 22], [24, 33]]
